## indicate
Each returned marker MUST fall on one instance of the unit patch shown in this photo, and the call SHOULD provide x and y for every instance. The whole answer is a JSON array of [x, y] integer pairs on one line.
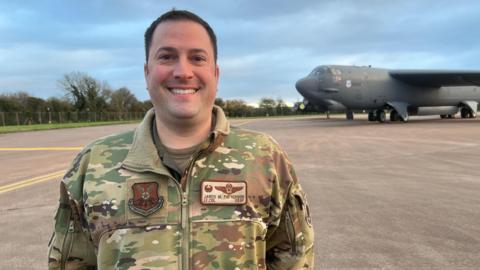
[[145, 199], [223, 192]]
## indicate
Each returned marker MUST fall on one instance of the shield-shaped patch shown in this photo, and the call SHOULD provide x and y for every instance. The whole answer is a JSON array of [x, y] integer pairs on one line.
[[145, 199]]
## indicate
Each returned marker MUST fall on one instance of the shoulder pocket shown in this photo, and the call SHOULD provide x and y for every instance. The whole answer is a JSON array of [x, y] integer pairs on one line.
[[69, 247], [300, 229], [56, 249]]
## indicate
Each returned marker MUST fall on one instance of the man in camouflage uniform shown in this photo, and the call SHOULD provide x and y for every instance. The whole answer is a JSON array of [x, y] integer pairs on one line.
[[184, 190]]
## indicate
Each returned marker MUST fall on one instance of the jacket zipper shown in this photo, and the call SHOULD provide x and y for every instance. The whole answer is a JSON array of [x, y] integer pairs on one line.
[[186, 231], [184, 218], [185, 214], [184, 185]]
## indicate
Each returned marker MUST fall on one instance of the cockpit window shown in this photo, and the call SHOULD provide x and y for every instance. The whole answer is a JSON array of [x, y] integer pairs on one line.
[[318, 71], [336, 72]]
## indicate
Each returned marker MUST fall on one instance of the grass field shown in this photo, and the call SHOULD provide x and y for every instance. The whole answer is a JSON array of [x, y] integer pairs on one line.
[[22, 128]]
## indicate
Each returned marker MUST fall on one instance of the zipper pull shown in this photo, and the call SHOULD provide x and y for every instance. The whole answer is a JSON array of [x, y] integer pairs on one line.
[[184, 199], [71, 227], [184, 209]]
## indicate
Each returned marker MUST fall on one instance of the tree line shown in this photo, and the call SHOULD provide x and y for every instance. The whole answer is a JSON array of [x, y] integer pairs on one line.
[[82, 93], [88, 99], [266, 107]]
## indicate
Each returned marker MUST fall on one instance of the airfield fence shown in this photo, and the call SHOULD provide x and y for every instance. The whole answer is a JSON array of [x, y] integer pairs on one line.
[[34, 118]]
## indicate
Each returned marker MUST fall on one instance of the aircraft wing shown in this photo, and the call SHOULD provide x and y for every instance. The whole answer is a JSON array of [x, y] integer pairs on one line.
[[437, 78]]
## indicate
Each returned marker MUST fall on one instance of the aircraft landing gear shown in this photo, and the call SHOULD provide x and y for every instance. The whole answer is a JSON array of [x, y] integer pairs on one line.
[[371, 116], [381, 116], [378, 115], [394, 116], [349, 115], [467, 113]]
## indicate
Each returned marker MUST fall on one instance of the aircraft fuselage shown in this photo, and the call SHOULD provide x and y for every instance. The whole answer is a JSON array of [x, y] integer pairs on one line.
[[365, 88]]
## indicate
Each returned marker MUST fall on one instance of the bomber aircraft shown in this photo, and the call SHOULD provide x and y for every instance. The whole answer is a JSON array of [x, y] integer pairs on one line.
[[401, 93]]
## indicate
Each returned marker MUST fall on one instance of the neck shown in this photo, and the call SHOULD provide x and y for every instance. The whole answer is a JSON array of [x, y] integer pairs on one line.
[[186, 134]]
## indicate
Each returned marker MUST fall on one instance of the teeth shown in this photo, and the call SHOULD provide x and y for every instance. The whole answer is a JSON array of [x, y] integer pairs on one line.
[[183, 91]]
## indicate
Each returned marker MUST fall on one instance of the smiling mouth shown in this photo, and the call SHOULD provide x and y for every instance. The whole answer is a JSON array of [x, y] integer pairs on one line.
[[178, 91]]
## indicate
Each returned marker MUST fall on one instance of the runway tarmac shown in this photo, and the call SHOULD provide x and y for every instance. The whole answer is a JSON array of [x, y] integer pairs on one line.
[[382, 196]]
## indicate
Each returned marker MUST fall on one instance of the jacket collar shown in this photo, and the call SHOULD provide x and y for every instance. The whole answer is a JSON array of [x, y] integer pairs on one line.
[[221, 123], [143, 155]]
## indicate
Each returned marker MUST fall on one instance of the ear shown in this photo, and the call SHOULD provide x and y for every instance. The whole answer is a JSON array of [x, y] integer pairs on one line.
[[146, 72], [217, 72], [145, 69]]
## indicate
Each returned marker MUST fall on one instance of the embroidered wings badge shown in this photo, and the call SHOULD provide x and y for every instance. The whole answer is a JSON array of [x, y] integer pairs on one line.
[[228, 189]]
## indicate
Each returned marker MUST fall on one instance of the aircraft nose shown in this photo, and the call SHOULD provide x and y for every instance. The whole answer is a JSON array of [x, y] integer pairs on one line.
[[305, 85]]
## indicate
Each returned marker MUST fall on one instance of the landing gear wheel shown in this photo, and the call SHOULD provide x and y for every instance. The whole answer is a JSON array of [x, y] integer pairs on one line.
[[394, 116], [349, 115], [443, 116], [381, 116], [371, 116], [467, 113]]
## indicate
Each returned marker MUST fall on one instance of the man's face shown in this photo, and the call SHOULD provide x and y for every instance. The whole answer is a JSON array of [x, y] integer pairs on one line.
[[181, 73]]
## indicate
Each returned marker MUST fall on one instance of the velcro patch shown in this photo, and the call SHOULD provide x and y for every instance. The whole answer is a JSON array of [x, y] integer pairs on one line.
[[145, 199], [223, 192]]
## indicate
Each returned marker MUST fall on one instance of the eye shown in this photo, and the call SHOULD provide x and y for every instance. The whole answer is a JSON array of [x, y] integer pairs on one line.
[[166, 57], [198, 59]]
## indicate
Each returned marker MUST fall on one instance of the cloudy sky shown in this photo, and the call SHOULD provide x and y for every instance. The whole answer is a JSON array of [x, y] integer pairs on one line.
[[264, 46]]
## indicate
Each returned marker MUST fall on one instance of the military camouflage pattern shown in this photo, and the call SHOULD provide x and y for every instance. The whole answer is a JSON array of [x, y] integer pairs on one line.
[[96, 226]]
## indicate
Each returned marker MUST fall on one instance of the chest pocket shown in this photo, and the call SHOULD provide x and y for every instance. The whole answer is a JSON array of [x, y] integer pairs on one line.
[[152, 200], [227, 236], [121, 199]]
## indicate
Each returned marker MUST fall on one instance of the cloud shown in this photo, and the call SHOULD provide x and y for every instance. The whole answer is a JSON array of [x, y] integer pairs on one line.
[[37, 69], [264, 46]]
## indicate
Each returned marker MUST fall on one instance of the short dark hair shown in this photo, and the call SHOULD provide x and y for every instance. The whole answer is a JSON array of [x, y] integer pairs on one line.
[[179, 15]]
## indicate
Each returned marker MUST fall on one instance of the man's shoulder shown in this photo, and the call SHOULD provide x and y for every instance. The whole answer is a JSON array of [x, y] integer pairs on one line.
[[117, 140], [250, 139], [238, 132], [117, 146], [115, 143]]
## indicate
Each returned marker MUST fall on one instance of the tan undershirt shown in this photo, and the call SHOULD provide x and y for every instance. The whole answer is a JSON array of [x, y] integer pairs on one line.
[[175, 159]]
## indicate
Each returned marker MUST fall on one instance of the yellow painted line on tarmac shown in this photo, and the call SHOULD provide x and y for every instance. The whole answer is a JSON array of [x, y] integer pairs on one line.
[[31, 181], [40, 148]]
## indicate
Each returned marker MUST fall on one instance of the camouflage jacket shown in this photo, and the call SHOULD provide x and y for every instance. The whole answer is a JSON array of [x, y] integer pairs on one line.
[[238, 206]]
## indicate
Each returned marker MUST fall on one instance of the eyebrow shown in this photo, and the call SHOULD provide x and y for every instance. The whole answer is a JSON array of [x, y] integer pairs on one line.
[[172, 49]]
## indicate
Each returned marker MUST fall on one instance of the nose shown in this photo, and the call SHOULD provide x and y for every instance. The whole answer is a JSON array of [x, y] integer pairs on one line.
[[182, 69], [306, 85]]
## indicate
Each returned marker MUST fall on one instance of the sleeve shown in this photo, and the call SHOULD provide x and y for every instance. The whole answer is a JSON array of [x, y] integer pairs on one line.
[[71, 246], [290, 243]]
